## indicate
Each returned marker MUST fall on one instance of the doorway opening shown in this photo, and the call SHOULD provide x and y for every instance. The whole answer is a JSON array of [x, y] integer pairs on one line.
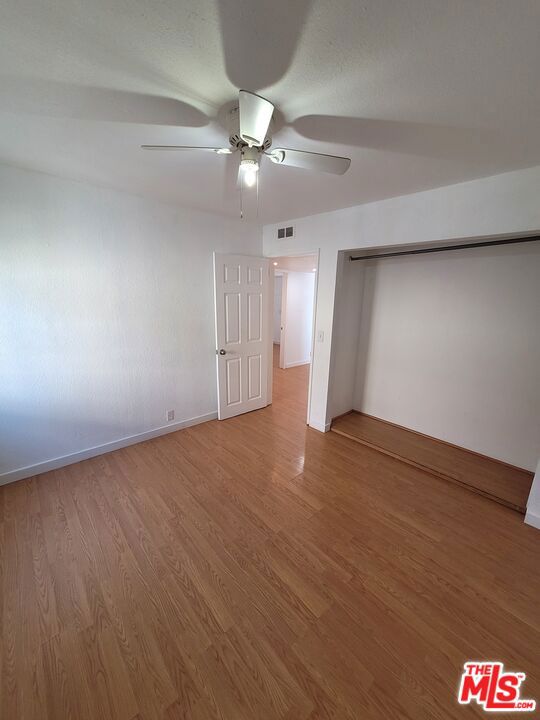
[[295, 283]]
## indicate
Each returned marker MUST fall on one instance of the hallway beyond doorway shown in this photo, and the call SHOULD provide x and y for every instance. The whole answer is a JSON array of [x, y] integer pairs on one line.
[[290, 388]]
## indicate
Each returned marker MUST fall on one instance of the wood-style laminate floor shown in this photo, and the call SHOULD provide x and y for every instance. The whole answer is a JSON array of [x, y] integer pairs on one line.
[[500, 482], [257, 569]]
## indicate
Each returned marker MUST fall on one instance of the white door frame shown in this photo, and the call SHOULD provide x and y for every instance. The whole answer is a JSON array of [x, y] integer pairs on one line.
[[313, 328], [283, 319], [316, 253]]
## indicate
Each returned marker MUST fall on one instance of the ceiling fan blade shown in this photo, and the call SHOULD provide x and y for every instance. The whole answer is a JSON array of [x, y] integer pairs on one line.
[[255, 115], [219, 151], [260, 39], [310, 160]]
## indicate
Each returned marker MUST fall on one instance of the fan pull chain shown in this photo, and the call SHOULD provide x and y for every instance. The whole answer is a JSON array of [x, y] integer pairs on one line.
[[241, 198], [257, 211]]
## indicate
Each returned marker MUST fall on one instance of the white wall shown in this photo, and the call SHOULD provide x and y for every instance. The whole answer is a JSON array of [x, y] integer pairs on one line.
[[500, 205], [450, 347], [298, 318], [278, 289], [106, 315]]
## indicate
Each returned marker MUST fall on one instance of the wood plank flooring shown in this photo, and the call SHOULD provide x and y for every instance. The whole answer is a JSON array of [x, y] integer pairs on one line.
[[253, 569], [502, 483]]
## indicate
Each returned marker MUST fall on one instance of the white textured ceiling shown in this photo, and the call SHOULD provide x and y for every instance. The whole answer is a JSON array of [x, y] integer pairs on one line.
[[419, 93]]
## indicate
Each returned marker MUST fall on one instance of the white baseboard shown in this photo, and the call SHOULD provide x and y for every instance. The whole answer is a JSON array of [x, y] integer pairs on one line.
[[59, 462], [532, 519], [321, 427], [295, 364]]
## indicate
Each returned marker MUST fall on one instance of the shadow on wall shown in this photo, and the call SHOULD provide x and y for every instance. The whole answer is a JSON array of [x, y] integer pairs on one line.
[[39, 433], [366, 315], [449, 345], [427, 266]]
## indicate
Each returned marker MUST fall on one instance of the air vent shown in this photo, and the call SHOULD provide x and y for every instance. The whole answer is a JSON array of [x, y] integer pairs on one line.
[[285, 232]]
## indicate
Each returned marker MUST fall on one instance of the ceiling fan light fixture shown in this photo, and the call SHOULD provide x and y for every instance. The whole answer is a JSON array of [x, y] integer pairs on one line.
[[250, 169], [249, 166]]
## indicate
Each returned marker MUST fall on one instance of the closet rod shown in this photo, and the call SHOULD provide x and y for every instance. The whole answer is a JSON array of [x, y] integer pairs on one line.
[[445, 248]]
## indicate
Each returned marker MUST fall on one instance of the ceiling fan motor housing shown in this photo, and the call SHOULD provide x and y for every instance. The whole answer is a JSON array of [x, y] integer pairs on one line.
[[250, 155], [236, 140]]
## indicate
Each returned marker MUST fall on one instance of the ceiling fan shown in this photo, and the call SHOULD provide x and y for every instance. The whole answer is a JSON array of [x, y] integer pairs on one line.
[[250, 135]]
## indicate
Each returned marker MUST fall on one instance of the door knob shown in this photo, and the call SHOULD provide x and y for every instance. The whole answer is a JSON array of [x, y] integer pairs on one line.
[[222, 352]]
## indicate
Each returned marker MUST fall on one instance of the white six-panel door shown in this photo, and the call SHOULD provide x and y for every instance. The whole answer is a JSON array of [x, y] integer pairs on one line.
[[242, 286]]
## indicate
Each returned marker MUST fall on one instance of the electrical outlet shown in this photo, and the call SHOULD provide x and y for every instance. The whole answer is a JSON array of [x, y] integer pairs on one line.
[[170, 415]]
